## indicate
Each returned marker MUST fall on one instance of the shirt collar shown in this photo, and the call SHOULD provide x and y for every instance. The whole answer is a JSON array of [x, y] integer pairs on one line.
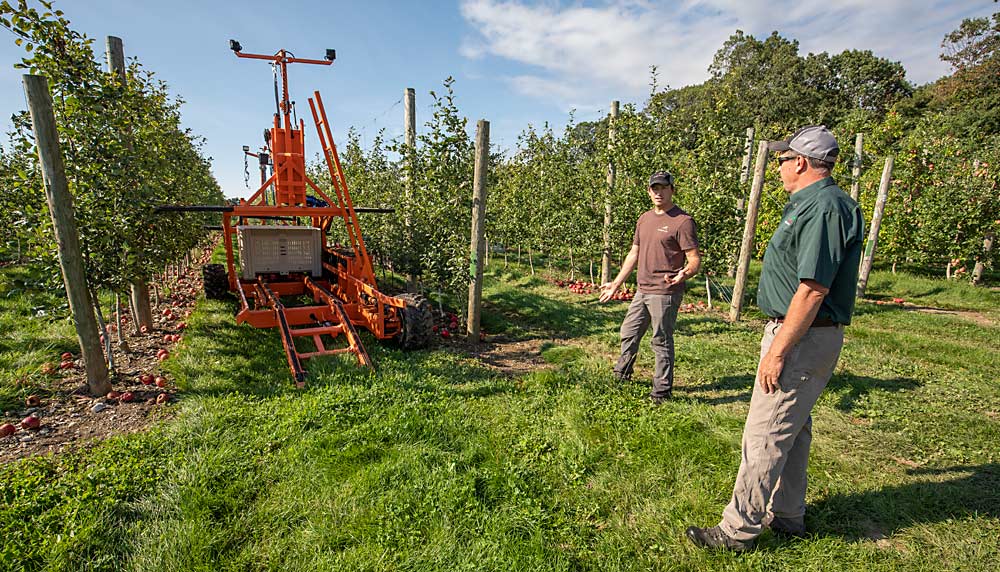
[[811, 190]]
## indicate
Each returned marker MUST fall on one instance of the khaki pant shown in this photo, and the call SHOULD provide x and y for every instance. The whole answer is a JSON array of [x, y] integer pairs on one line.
[[660, 311], [777, 435]]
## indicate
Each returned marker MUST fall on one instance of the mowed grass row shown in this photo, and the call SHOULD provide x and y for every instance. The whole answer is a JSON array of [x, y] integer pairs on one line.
[[438, 463]]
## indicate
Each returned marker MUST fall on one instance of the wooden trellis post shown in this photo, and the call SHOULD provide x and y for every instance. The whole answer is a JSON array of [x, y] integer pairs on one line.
[[744, 175], [60, 201], [606, 256], [143, 313], [478, 246], [746, 248], [859, 151], [868, 258], [410, 140]]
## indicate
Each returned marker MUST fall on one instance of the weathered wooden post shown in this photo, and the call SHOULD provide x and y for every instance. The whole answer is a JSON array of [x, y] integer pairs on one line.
[[478, 244], [746, 248], [410, 141], [60, 202], [744, 175], [115, 54], [868, 258], [606, 256], [859, 152]]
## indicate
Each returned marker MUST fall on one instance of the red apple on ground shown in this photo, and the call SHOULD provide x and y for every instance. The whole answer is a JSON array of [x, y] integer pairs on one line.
[[33, 401], [162, 398], [66, 365], [127, 397], [160, 381], [7, 429], [66, 356], [113, 395], [31, 422], [146, 379]]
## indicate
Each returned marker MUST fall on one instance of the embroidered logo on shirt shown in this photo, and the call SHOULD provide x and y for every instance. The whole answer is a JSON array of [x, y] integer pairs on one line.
[[791, 220], [664, 228]]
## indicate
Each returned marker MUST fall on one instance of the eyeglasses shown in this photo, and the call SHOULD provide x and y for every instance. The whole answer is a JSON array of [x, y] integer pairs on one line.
[[781, 160]]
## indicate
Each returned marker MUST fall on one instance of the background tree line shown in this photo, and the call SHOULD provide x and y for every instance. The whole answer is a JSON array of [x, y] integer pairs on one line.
[[548, 193]]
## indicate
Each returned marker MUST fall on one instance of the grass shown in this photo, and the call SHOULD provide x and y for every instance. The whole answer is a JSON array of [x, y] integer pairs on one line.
[[437, 463]]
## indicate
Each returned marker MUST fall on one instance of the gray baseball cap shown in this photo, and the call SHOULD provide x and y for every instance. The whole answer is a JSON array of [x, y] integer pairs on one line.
[[661, 178], [814, 141]]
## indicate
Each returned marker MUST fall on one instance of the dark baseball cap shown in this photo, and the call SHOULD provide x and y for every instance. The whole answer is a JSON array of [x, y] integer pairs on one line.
[[814, 141], [661, 178]]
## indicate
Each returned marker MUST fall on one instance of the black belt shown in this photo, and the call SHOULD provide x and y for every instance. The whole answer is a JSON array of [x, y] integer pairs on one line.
[[817, 323]]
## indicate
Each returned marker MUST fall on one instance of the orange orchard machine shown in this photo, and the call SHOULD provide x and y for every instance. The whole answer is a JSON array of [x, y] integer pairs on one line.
[[281, 233]]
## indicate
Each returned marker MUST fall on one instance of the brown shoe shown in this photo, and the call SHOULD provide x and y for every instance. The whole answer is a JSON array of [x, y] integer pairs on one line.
[[784, 526], [716, 539]]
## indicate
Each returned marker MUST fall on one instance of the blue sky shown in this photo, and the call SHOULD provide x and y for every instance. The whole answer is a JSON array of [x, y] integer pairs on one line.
[[515, 63]]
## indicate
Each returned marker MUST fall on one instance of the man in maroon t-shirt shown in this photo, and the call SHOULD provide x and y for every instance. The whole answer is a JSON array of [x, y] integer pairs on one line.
[[666, 247]]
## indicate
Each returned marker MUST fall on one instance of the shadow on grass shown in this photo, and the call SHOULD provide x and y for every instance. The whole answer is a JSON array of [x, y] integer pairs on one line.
[[849, 387], [879, 513], [520, 311]]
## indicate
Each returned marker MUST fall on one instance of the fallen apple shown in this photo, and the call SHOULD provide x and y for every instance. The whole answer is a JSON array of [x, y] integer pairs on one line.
[[48, 368], [31, 422], [66, 365], [144, 329], [162, 398], [113, 395], [33, 401], [160, 381], [162, 356], [146, 379], [7, 429], [66, 356], [898, 300], [127, 397]]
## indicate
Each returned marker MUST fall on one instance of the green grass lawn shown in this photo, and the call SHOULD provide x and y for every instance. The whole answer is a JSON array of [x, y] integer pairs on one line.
[[438, 463]]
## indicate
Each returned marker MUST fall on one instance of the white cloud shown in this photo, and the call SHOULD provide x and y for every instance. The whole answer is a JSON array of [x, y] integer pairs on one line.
[[578, 56]]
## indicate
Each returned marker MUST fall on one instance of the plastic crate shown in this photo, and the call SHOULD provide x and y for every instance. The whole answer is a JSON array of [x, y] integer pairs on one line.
[[280, 250]]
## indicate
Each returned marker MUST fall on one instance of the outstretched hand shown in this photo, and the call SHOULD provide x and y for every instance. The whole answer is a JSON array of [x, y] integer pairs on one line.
[[608, 290]]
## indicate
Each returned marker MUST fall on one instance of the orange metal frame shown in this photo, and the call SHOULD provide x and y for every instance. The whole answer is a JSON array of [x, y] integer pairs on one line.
[[347, 295]]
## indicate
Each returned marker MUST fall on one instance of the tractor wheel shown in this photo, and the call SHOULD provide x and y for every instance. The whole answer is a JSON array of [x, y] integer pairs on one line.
[[216, 281], [417, 322]]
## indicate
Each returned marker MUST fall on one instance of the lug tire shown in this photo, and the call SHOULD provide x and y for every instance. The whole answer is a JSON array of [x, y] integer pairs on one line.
[[216, 281], [417, 322]]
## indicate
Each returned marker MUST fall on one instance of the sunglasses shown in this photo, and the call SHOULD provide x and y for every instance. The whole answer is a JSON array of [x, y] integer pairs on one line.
[[781, 160]]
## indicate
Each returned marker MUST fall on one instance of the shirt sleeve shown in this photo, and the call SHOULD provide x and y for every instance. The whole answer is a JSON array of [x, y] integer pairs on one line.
[[635, 237], [821, 247], [687, 235]]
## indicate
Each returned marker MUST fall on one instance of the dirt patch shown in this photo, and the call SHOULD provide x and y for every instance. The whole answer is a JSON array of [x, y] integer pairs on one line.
[[69, 416], [511, 358]]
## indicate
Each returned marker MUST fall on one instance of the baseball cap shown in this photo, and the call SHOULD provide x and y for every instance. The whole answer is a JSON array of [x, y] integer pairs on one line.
[[661, 178], [814, 141]]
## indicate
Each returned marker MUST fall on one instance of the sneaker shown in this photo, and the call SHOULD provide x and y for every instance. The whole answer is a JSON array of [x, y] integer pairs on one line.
[[716, 539], [784, 526]]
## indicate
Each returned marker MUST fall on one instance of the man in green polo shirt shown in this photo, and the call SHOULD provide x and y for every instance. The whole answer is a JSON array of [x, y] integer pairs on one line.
[[807, 287]]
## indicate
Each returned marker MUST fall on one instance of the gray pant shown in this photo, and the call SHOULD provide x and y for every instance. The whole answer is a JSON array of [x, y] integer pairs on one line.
[[777, 435], [660, 311]]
